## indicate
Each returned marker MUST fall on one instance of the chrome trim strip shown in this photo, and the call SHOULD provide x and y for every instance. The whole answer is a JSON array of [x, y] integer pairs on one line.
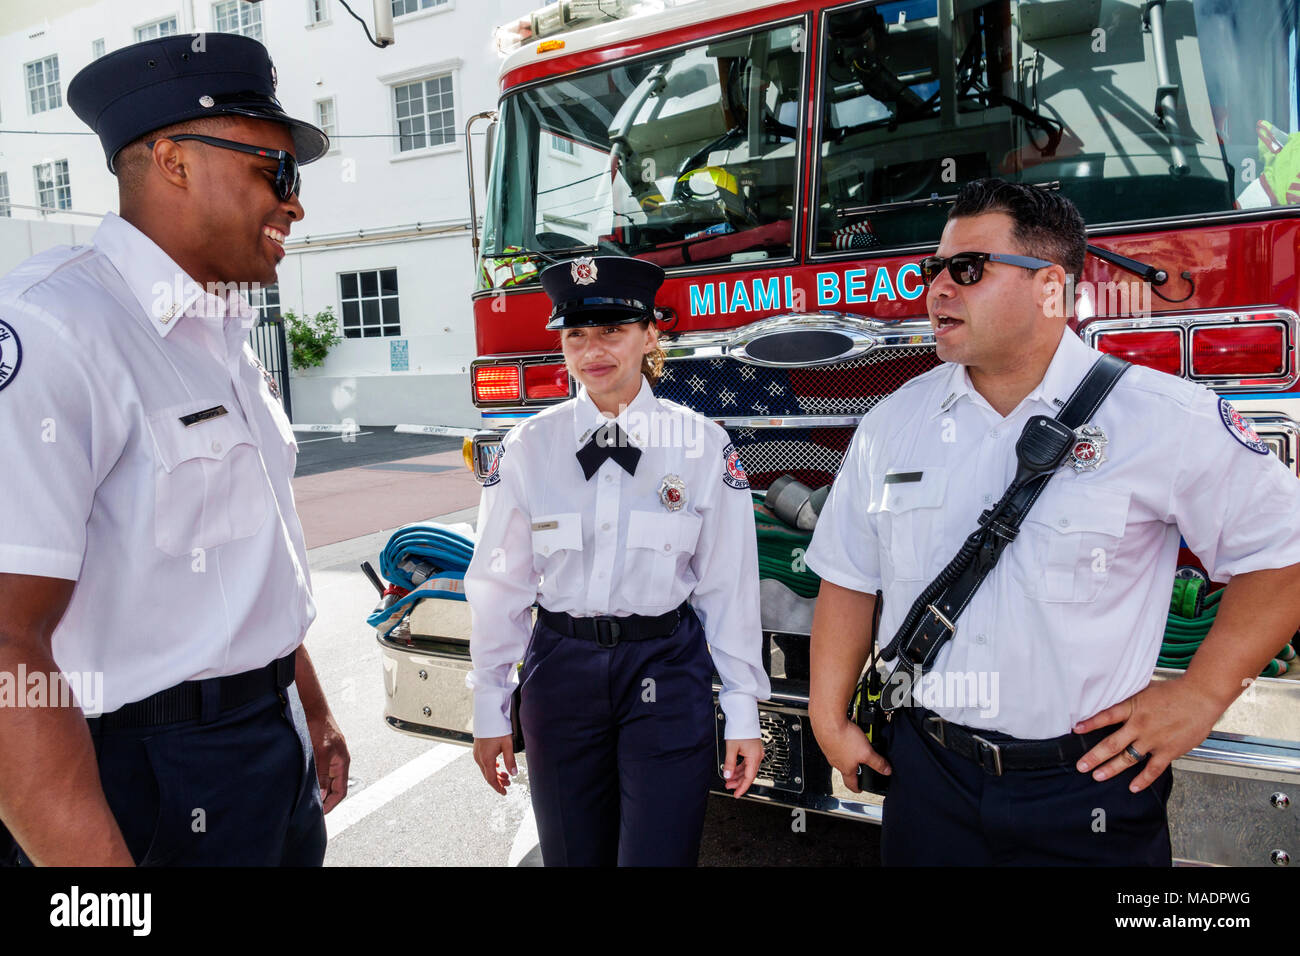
[[1184, 322], [791, 421], [867, 333]]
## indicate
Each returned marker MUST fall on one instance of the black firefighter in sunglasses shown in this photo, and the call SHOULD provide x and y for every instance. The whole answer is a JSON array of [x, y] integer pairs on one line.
[[153, 554], [1034, 733]]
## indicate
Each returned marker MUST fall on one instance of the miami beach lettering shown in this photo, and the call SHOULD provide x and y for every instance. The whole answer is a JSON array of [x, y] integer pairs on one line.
[[849, 287]]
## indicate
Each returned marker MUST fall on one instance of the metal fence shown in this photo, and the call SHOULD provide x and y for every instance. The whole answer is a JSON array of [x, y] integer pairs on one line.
[[272, 350]]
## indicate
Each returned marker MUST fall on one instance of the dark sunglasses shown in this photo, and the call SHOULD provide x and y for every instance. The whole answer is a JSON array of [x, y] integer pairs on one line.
[[288, 180], [967, 268]]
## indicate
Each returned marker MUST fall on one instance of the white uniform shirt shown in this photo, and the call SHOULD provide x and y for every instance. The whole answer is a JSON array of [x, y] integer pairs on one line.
[[609, 546], [188, 555], [1071, 620]]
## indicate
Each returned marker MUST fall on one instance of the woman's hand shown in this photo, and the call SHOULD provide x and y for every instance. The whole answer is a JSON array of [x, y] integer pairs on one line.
[[486, 751], [740, 774]]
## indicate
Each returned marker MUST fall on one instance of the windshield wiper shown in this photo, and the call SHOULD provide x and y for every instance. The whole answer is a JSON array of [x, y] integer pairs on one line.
[[1156, 276]]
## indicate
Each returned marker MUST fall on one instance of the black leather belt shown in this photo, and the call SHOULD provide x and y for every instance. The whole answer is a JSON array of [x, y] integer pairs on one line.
[[998, 753], [185, 701], [609, 631]]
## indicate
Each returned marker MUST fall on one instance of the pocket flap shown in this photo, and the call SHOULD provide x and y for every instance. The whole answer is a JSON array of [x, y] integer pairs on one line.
[[212, 438], [904, 489], [1075, 509], [561, 532], [661, 532]]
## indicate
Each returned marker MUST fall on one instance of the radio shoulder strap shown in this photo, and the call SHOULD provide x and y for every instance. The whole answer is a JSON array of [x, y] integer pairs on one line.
[[931, 622]]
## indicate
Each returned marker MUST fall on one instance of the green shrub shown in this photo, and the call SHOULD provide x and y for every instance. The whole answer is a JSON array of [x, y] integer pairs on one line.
[[310, 340]]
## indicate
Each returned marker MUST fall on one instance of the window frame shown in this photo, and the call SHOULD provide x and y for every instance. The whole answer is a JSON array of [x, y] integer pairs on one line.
[[422, 11], [174, 19], [361, 298], [240, 6], [422, 74], [312, 20], [55, 166], [6, 211], [57, 84], [334, 107]]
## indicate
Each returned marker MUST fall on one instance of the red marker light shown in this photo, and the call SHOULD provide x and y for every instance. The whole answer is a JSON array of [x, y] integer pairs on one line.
[[496, 383], [546, 381], [1238, 351], [1161, 350]]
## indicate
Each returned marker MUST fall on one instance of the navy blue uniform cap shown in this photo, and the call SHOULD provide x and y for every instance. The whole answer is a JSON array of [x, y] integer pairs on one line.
[[601, 290], [146, 86]]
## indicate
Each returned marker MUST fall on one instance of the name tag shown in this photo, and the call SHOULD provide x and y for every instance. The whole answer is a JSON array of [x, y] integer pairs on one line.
[[903, 477], [207, 414], [545, 525]]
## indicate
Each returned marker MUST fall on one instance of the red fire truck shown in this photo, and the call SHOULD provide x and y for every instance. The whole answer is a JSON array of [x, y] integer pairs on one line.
[[789, 161]]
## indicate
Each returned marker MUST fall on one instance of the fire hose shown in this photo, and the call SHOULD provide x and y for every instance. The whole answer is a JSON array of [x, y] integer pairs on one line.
[[420, 561]]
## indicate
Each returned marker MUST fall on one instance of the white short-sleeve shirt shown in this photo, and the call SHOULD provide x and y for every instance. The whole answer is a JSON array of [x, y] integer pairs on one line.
[[611, 545], [150, 463], [1071, 619]]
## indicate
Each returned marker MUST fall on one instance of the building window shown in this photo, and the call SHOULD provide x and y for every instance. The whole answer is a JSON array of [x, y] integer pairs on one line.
[[4, 194], [43, 91], [561, 145], [97, 48], [369, 303], [326, 117], [152, 31], [236, 16], [266, 300], [403, 7], [318, 11], [425, 113], [53, 189]]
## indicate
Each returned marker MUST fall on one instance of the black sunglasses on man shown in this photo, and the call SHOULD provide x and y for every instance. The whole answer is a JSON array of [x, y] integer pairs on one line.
[[967, 268], [288, 180]]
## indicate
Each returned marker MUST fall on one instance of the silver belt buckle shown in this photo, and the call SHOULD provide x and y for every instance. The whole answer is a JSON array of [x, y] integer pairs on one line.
[[987, 748]]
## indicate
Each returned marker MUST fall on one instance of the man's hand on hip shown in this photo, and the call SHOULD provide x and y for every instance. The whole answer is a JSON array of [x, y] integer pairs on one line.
[[1159, 724]]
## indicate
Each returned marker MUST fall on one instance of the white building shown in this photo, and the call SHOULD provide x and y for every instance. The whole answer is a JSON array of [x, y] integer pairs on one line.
[[385, 241]]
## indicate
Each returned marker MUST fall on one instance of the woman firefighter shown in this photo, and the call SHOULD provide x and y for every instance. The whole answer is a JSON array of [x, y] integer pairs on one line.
[[610, 511]]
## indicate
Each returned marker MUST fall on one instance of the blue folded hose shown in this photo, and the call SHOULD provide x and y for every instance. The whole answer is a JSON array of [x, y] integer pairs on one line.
[[427, 560]]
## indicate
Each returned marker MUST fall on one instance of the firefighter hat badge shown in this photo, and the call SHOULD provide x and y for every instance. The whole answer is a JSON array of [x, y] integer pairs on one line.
[[583, 270], [672, 493], [1088, 451]]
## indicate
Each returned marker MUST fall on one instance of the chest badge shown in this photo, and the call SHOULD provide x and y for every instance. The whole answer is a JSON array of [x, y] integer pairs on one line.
[[672, 492], [1089, 448]]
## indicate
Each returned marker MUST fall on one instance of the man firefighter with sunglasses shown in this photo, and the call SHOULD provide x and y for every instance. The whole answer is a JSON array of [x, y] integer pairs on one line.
[[150, 548], [1020, 508]]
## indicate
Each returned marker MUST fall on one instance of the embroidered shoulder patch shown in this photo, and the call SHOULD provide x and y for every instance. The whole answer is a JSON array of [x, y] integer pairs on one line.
[[493, 476], [11, 354], [1239, 428], [733, 475]]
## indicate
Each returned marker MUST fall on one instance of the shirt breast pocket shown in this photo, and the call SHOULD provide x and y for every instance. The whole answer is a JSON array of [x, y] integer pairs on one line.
[[656, 545], [557, 554], [1068, 542], [911, 519], [210, 486]]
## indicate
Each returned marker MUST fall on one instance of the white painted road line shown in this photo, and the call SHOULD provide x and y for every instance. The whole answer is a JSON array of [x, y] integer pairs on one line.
[[451, 430], [367, 801], [525, 837]]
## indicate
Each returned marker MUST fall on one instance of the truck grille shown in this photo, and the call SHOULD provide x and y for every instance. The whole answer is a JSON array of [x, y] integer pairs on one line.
[[726, 388]]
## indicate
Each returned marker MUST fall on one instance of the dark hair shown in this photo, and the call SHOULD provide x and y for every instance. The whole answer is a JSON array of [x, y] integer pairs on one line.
[[1047, 225]]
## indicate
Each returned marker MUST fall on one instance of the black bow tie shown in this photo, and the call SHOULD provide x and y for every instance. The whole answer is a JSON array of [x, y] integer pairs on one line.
[[608, 442]]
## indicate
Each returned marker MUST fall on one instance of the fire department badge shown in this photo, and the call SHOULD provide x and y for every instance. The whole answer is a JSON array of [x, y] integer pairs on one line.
[[493, 475], [672, 492], [1087, 453], [1240, 429], [583, 270], [11, 354], [733, 476]]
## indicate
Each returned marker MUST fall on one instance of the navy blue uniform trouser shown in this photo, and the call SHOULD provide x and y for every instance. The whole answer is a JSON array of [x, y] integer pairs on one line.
[[620, 746], [240, 790], [945, 810]]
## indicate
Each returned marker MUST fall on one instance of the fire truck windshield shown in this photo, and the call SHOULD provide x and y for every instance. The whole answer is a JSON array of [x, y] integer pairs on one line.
[[1140, 111], [688, 156]]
